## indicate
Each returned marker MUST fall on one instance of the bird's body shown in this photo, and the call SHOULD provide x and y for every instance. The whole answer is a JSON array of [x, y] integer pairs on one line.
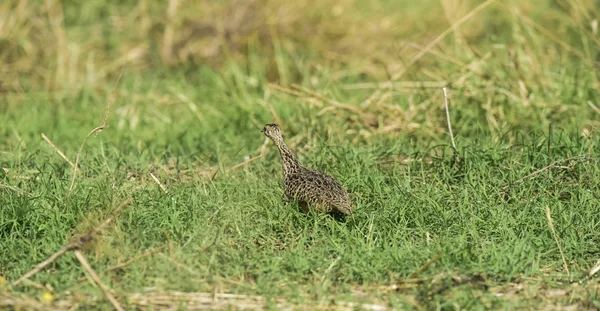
[[308, 187]]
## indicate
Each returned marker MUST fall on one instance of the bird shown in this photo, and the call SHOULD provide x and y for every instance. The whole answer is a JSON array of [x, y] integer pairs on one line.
[[306, 186]]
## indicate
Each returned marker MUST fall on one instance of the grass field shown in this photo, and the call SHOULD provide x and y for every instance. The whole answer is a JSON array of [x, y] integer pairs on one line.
[[509, 218]]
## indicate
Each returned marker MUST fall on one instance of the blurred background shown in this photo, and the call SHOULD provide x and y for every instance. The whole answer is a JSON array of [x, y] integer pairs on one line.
[[509, 64]]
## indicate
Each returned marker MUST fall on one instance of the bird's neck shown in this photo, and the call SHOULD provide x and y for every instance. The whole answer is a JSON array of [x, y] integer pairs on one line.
[[288, 159]]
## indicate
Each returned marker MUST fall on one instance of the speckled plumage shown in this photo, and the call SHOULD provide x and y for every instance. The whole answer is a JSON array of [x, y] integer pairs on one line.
[[308, 187]]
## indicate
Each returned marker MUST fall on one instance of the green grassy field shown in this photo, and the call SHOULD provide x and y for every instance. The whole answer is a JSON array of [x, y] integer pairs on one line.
[[510, 219]]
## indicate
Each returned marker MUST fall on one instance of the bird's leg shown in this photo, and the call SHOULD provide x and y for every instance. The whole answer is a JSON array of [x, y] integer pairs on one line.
[[304, 206]]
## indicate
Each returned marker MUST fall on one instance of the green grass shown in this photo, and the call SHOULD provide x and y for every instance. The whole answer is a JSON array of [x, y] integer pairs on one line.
[[190, 118]]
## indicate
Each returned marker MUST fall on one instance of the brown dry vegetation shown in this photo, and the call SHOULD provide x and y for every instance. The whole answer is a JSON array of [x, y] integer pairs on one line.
[[506, 56]]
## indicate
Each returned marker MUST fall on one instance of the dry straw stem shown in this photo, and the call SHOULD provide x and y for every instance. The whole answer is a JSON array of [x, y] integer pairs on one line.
[[246, 162], [285, 90], [73, 245], [173, 300], [596, 109], [333, 263], [394, 85], [332, 102], [426, 265], [595, 269], [37, 285], [15, 189], [549, 146], [313, 97], [109, 102], [136, 258], [448, 118], [437, 40], [162, 187], [58, 151], [562, 255], [96, 278], [43, 264], [555, 164]]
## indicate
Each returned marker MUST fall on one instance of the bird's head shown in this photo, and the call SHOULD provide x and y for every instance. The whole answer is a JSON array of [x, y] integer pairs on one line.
[[273, 132]]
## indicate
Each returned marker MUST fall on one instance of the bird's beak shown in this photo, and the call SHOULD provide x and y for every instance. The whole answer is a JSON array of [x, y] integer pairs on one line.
[[262, 131]]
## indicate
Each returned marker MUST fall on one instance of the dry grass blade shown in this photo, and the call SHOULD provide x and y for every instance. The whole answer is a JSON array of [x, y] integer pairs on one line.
[[596, 109], [34, 284], [327, 100], [284, 89], [162, 187], [45, 263], [109, 102], [73, 245], [196, 301], [246, 162], [128, 262], [555, 164], [426, 265], [60, 153], [15, 189], [173, 300], [96, 278], [549, 147], [317, 99], [110, 218], [448, 119], [562, 255], [395, 85], [333, 263], [595, 269]]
